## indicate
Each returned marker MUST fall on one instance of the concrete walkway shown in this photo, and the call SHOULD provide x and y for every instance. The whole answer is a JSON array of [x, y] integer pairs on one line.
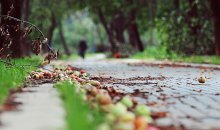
[[41, 109]]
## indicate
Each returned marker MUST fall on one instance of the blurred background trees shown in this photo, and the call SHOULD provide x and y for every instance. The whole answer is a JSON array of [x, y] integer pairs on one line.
[[127, 26]]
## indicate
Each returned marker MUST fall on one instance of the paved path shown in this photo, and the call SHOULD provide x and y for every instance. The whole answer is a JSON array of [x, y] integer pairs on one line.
[[189, 105], [41, 109]]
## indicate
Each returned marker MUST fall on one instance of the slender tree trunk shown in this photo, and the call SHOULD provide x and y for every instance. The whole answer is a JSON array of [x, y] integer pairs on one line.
[[215, 5], [120, 36], [193, 14], [134, 36], [26, 10], [16, 46], [177, 4], [107, 29], [118, 26], [63, 41], [26, 13], [50, 31]]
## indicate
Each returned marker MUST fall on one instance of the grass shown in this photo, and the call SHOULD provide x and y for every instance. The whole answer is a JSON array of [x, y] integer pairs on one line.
[[200, 59], [79, 115], [153, 53], [13, 76]]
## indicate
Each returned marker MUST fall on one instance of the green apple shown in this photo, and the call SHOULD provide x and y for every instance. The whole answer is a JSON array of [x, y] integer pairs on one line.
[[124, 126], [127, 117], [110, 118], [104, 126], [119, 109], [127, 101], [142, 110], [76, 73]]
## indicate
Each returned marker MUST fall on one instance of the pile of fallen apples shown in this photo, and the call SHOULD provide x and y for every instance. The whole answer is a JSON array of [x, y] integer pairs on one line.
[[121, 115]]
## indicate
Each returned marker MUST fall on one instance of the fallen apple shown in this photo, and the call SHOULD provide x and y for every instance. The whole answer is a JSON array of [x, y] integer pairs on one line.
[[104, 126], [202, 79], [84, 97], [83, 91], [107, 108], [82, 71], [84, 75], [119, 109], [142, 110], [28, 77], [103, 91], [72, 76], [47, 74], [88, 87], [80, 79], [103, 99], [124, 126], [149, 119], [126, 100], [43, 63], [61, 75], [94, 91], [41, 76], [36, 76], [39, 70], [127, 117], [94, 83], [110, 118], [76, 73], [140, 123]]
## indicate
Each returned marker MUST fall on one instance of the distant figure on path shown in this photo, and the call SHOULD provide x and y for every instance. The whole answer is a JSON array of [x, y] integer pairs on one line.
[[82, 48]]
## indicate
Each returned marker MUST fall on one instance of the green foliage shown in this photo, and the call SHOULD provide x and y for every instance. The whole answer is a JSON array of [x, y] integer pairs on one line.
[[78, 26], [80, 116], [186, 28], [199, 59], [13, 76], [153, 52], [161, 53], [42, 10]]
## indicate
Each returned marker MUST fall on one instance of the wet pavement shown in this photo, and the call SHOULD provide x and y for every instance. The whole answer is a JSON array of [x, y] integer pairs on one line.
[[173, 93]]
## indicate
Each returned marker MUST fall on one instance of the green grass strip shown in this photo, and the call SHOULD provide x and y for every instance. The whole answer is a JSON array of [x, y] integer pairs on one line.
[[153, 53], [79, 115], [14, 76]]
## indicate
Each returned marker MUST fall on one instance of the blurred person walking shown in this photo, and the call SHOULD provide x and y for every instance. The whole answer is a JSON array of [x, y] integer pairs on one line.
[[82, 48]]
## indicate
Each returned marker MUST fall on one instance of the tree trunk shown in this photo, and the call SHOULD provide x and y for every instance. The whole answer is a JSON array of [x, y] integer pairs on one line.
[[118, 26], [63, 41], [193, 14], [134, 36], [109, 32], [26, 10], [119, 36], [16, 46], [50, 32], [215, 6], [177, 4], [26, 13]]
